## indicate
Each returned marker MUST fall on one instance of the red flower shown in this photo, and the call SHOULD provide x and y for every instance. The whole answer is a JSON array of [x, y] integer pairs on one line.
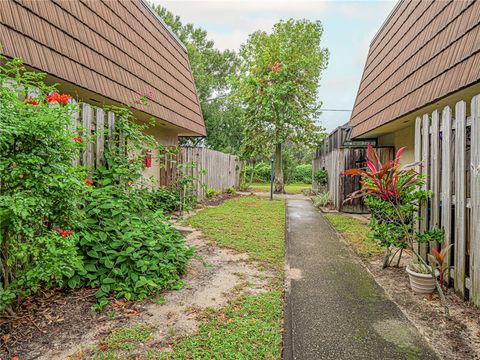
[[31, 101], [65, 233], [78, 139], [88, 182], [56, 97], [277, 66]]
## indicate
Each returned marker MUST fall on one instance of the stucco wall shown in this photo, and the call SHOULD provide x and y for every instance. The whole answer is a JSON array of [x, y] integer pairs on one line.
[[403, 137]]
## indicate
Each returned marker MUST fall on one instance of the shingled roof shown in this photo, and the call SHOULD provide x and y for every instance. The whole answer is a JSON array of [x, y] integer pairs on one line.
[[118, 49], [424, 51]]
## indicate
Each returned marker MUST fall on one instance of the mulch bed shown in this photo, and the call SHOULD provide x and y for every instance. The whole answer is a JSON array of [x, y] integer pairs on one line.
[[219, 199], [56, 316]]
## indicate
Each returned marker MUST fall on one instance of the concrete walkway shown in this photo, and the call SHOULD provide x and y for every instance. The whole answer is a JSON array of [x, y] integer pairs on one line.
[[334, 309]]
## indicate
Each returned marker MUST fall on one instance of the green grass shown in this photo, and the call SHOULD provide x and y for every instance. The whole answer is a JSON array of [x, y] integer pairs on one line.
[[247, 224], [355, 233], [295, 188], [249, 327]]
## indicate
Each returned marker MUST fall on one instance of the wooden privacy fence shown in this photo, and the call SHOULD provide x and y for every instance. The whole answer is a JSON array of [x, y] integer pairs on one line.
[[335, 161], [210, 169], [447, 143]]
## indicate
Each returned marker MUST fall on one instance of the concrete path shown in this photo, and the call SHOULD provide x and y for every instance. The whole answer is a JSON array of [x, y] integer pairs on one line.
[[334, 309]]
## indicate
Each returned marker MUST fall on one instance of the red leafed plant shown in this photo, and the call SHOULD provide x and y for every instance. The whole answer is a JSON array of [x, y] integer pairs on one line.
[[385, 181], [438, 258]]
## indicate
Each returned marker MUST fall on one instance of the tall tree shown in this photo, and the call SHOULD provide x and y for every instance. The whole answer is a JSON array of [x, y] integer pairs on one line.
[[279, 77], [212, 70]]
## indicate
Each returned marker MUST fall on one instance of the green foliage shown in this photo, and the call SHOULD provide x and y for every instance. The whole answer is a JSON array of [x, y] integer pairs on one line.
[[303, 173], [420, 268], [212, 70], [231, 190], [321, 199], [321, 177], [277, 86], [40, 190], [128, 249], [210, 193]]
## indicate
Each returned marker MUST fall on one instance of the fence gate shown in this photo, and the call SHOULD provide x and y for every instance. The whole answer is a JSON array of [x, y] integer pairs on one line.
[[447, 142]]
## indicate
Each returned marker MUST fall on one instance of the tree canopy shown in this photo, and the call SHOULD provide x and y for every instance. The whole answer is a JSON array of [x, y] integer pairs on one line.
[[277, 85]]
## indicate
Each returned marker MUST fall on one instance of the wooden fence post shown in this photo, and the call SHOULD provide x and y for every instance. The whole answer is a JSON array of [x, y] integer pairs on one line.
[[475, 201], [100, 136], [426, 171], [446, 176], [460, 234], [87, 117]]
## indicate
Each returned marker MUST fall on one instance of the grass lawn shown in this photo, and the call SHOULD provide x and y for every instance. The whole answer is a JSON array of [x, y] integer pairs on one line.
[[295, 188], [250, 326], [356, 233]]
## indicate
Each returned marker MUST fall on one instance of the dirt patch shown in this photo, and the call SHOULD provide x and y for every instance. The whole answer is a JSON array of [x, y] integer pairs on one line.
[[218, 199], [458, 338], [59, 324]]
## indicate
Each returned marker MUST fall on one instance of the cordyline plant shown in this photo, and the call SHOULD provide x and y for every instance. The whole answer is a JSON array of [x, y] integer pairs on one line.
[[393, 194]]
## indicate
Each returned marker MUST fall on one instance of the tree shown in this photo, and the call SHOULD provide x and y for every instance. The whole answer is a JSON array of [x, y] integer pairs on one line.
[[277, 86], [212, 70]]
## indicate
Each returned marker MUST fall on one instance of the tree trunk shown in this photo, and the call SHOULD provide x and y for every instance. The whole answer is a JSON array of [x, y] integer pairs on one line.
[[279, 186]]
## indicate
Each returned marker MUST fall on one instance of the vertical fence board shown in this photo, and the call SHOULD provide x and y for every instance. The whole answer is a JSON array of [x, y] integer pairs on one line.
[[423, 223], [446, 178], [475, 201], [75, 124], [100, 136], [87, 118], [435, 171], [417, 153], [460, 144]]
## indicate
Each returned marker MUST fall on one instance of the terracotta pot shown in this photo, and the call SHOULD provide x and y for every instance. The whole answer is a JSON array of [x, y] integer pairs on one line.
[[421, 283]]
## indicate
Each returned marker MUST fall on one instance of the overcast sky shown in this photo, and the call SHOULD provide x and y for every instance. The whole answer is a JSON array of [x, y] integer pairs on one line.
[[349, 27]]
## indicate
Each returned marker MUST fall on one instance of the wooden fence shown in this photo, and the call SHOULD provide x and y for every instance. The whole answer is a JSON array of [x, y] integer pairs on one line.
[[447, 143], [210, 169], [335, 161]]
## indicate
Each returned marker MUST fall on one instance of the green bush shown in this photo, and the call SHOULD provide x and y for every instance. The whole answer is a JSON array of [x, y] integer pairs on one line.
[[40, 190], [230, 190], [303, 173], [321, 177], [128, 249], [210, 193]]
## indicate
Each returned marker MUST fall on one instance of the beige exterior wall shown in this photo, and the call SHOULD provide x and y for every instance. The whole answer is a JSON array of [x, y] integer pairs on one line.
[[403, 137], [167, 137]]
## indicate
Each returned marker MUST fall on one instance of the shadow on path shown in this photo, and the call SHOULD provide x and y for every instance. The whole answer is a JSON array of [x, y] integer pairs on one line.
[[334, 309]]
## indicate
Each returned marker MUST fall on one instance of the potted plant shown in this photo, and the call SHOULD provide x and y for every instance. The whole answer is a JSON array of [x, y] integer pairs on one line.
[[421, 280], [393, 194]]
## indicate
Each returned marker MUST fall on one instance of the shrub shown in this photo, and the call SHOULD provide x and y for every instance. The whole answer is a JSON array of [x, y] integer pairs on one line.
[[210, 193], [128, 249], [321, 199], [231, 190], [40, 190], [303, 173], [321, 177]]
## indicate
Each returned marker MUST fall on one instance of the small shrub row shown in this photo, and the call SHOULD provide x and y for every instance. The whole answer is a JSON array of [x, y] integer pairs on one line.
[[261, 173]]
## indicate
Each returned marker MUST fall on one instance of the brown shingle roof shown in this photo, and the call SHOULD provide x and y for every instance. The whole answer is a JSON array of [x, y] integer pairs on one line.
[[425, 50], [118, 49]]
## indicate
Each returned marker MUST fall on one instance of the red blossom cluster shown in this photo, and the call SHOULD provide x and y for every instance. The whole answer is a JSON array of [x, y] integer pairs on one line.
[[31, 101], [78, 139], [277, 66], [65, 233], [56, 97], [88, 182]]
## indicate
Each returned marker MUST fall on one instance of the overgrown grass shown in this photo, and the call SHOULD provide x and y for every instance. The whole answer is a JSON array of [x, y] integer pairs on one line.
[[247, 224], [295, 188], [356, 233]]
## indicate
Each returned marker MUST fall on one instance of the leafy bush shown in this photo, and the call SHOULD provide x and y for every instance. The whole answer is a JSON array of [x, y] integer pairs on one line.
[[303, 173], [210, 193], [231, 190], [40, 190], [127, 248], [321, 199], [321, 177]]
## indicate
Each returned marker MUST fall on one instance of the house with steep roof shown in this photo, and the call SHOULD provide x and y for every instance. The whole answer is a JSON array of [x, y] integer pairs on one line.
[[108, 53], [420, 89]]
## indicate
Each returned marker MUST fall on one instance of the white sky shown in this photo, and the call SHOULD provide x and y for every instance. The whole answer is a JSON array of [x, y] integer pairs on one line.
[[349, 27]]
